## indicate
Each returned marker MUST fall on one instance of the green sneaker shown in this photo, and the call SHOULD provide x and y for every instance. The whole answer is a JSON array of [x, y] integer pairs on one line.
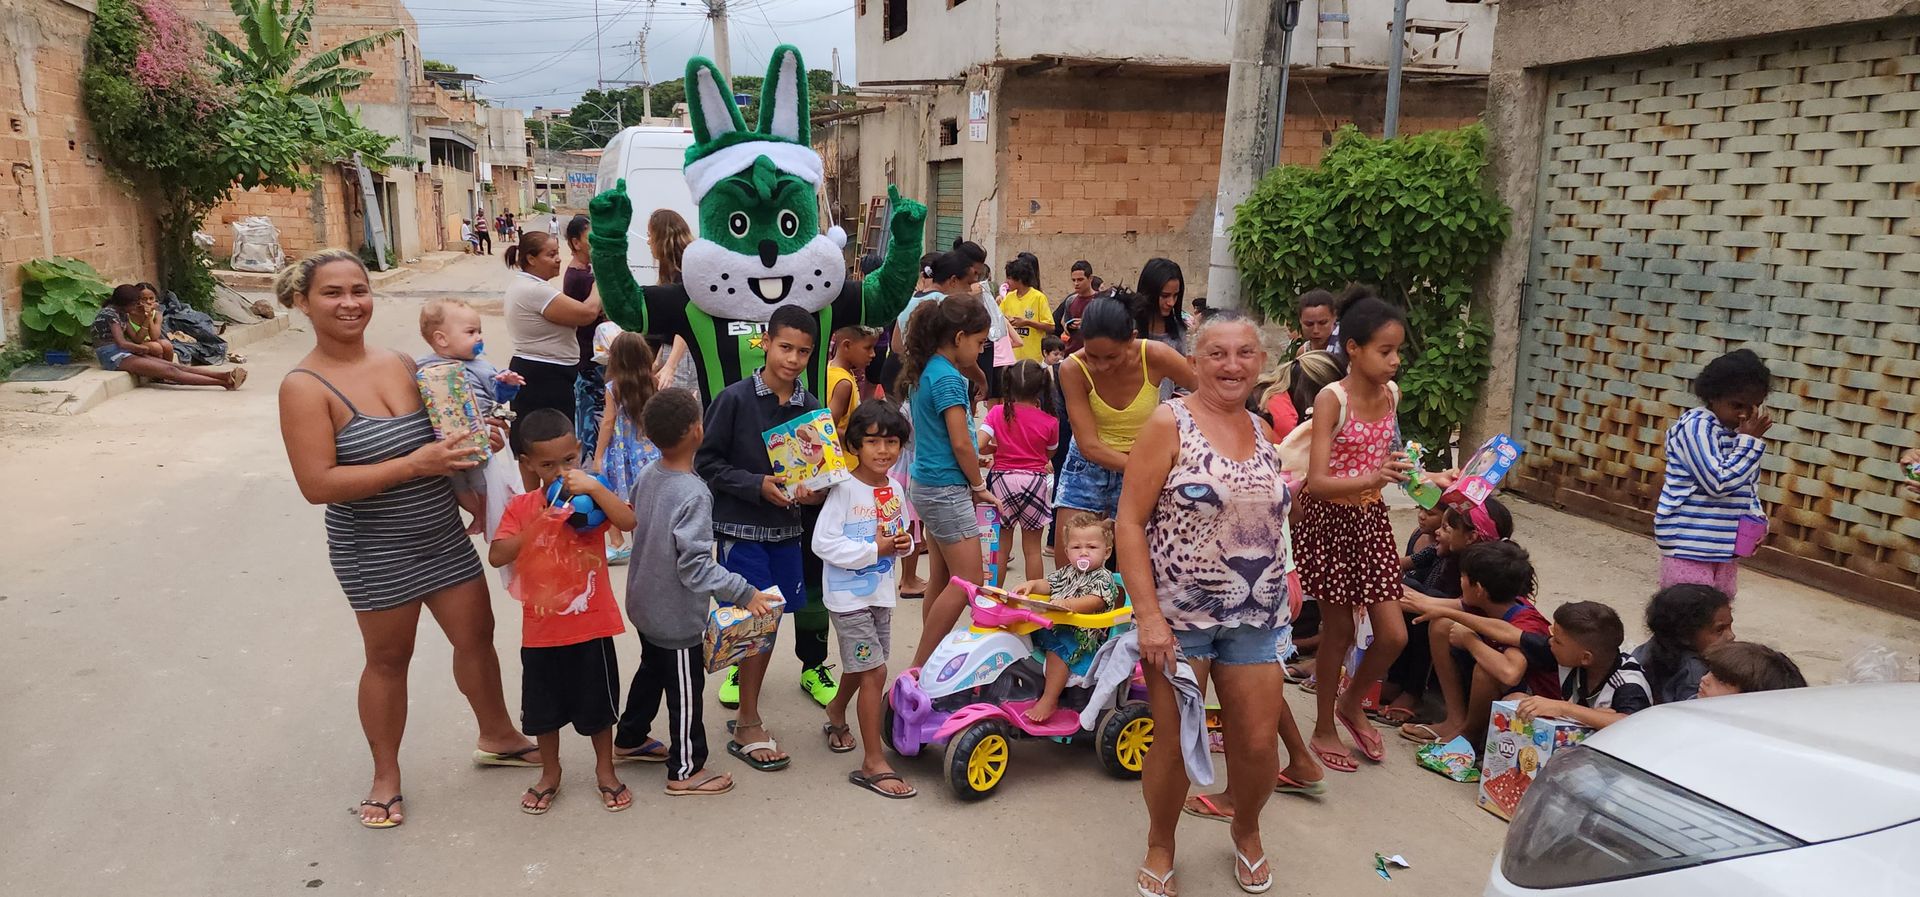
[[818, 684], [730, 689]]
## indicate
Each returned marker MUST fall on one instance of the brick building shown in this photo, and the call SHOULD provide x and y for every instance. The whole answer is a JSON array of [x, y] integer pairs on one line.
[[1743, 175], [433, 117], [1080, 129], [56, 195]]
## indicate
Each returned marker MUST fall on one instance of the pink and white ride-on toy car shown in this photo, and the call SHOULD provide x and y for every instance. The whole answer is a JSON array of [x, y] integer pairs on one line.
[[973, 694]]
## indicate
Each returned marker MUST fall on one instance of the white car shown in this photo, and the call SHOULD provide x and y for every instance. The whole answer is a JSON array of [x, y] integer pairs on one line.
[[1809, 791]]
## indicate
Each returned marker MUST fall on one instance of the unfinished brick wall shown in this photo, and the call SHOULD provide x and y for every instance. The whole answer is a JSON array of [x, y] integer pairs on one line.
[[94, 216], [1757, 195], [308, 220], [1118, 170]]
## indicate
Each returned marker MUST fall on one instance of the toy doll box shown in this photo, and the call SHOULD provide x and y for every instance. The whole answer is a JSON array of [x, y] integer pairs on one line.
[[1484, 471], [450, 405], [806, 452], [1517, 749], [733, 634]]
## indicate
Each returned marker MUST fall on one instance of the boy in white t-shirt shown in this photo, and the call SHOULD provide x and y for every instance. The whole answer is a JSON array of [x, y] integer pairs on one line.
[[859, 535]]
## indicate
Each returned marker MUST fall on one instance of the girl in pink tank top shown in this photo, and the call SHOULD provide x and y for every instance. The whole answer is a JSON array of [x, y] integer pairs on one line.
[[1347, 557]]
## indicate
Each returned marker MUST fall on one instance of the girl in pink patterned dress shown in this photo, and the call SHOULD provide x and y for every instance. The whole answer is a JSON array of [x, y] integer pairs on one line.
[[1347, 556]]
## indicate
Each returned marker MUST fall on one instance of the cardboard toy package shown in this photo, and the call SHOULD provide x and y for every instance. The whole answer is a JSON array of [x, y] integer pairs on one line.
[[989, 520], [806, 452], [1422, 490], [1483, 472], [1516, 751], [450, 405], [733, 634]]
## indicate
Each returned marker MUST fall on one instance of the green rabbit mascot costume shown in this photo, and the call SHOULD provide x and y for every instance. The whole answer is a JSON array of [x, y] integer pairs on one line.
[[759, 248], [760, 245]]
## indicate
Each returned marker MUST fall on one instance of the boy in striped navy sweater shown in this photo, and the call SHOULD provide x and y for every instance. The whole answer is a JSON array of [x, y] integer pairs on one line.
[[1713, 464]]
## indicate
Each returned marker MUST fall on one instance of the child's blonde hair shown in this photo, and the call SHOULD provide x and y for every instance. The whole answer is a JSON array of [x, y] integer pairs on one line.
[[1090, 520], [433, 315]]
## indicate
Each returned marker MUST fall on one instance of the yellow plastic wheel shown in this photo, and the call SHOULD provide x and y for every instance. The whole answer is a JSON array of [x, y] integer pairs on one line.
[[1131, 748], [1123, 737], [977, 760]]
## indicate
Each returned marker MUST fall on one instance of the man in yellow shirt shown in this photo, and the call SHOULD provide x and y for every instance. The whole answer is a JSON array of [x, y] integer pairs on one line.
[[1026, 308]]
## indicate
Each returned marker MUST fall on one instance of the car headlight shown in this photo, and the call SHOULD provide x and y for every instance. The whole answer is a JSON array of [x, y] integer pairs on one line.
[[1591, 818]]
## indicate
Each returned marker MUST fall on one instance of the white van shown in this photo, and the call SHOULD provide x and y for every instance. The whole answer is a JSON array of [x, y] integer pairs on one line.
[[652, 160]]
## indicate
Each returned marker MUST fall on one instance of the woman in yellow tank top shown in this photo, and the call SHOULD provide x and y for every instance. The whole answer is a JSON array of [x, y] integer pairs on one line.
[[1111, 389]]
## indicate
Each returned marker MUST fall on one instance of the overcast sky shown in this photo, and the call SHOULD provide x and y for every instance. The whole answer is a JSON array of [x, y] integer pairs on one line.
[[547, 58]]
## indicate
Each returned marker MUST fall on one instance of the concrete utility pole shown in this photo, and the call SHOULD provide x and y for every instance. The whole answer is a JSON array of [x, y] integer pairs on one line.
[[599, 67], [1397, 56], [722, 51], [1251, 140]]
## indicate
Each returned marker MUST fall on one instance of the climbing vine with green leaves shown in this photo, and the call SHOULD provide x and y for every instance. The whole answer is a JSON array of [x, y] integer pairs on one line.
[[1410, 217]]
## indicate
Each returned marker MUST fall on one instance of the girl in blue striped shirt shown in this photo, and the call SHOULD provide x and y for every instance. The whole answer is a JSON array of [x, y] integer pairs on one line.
[[1713, 464]]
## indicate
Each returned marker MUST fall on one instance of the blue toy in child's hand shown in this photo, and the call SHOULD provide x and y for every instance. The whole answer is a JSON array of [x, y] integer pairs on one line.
[[586, 513]]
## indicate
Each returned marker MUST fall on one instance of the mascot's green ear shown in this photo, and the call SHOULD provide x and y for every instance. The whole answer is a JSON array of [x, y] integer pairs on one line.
[[710, 102], [783, 98]]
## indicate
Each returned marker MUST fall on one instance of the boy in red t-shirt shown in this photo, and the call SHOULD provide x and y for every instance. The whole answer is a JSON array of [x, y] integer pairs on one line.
[[1476, 641], [568, 671]]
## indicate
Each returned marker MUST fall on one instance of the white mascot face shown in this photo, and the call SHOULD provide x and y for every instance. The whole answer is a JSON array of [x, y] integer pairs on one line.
[[760, 244]]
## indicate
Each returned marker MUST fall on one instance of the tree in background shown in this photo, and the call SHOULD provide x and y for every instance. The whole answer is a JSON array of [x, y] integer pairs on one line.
[[191, 121], [591, 122], [1410, 217]]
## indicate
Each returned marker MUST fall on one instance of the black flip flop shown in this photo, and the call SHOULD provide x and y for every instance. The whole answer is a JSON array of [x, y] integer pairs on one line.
[[872, 783], [830, 730], [539, 796], [614, 794], [387, 808]]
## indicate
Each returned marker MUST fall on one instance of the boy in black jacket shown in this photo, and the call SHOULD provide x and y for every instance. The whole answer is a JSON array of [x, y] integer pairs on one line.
[[761, 530]]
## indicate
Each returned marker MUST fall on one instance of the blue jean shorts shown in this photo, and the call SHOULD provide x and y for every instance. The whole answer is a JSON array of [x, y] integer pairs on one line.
[[1230, 645], [946, 512], [1086, 486], [111, 356]]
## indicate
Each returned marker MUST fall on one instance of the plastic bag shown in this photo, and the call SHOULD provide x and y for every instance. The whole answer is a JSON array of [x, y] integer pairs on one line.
[[1879, 663], [556, 568], [256, 246]]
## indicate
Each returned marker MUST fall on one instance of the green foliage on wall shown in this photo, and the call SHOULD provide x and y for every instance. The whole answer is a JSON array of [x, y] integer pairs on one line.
[[1410, 217]]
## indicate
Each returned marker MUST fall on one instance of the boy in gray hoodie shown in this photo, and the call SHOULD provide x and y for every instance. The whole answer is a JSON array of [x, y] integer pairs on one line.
[[669, 581]]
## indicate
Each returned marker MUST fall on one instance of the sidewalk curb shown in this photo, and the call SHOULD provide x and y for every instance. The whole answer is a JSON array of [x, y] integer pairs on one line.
[[86, 390]]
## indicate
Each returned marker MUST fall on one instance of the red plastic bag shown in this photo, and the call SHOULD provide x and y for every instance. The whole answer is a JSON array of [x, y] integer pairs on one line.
[[555, 566]]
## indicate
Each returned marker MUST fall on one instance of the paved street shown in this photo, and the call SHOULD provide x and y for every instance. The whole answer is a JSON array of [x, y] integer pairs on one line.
[[181, 719]]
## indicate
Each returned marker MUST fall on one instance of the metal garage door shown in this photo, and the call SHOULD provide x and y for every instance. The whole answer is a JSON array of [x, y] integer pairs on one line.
[[949, 221], [1761, 195]]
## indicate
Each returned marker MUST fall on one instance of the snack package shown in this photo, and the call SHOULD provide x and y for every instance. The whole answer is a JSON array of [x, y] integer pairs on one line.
[[806, 452], [733, 634], [1423, 491], [1516, 750], [1484, 471], [450, 406], [1453, 759]]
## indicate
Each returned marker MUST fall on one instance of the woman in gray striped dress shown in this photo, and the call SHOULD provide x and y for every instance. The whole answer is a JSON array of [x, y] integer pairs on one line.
[[360, 443]]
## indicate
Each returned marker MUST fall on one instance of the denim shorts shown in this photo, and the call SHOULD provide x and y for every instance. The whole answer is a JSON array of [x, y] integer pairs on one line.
[[1086, 486], [946, 512], [111, 356], [1230, 645]]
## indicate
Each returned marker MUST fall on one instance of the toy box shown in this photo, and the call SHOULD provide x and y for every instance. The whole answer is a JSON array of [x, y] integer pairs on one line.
[[450, 405], [890, 512], [806, 452], [1484, 471], [733, 634], [1516, 750], [1422, 490], [989, 520]]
